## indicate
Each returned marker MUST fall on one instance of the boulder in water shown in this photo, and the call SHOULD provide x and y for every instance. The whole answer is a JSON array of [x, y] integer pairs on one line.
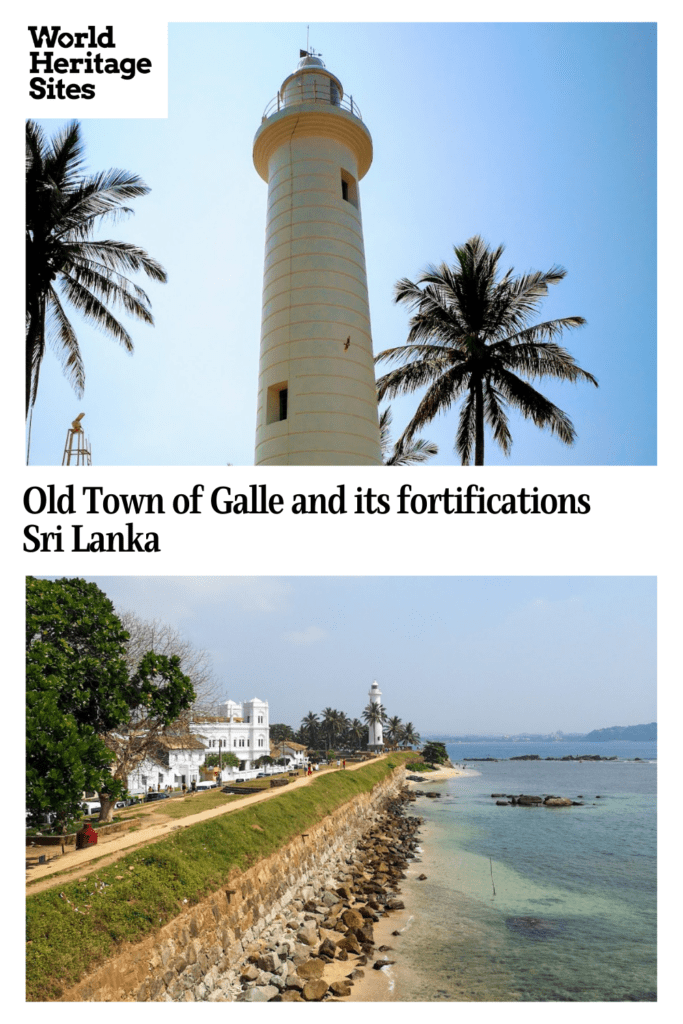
[[532, 927]]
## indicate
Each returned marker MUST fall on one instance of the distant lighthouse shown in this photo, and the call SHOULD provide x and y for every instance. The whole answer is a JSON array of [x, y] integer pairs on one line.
[[317, 403], [375, 738]]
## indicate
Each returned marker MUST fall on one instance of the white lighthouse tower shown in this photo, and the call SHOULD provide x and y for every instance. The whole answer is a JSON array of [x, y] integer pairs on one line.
[[317, 403], [375, 737]]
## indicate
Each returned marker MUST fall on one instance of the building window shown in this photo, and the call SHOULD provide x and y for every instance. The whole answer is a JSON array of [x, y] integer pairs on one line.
[[277, 403], [260, 719], [349, 189]]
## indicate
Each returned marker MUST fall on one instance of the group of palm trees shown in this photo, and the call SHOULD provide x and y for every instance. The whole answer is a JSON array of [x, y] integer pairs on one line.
[[332, 729], [471, 339]]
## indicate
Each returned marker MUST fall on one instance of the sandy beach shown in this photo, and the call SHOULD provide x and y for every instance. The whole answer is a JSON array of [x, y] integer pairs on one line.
[[377, 986], [439, 775]]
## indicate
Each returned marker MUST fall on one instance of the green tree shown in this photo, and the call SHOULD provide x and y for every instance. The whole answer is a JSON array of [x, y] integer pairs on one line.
[[79, 691], [411, 453], [471, 337], [394, 730], [226, 760], [341, 725], [139, 738], [64, 206], [357, 733], [280, 732], [435, 753], [374, 714], [329, 724], [309, 726], [409, 737]]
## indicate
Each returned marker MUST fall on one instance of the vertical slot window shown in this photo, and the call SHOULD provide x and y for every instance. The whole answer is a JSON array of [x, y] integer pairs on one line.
[[349, 189], [277, 403]]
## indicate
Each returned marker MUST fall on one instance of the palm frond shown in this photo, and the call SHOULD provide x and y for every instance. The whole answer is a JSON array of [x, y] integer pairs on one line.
[[438, 398], [92, 309], [496, 417], [110, 287], [534, 406], [121, 256], [406, 379], [61, 337], [537, 360], [413, 454], [467, 431]]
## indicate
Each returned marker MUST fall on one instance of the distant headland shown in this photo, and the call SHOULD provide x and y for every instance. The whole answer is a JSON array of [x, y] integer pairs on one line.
[[634, 733]]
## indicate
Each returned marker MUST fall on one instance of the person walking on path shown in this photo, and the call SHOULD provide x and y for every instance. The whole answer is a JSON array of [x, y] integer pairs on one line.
[[344, 764]]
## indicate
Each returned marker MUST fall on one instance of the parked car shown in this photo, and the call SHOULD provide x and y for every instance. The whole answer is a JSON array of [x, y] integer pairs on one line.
[[156, 796], [44, 819], [91, 806], [206, 785]]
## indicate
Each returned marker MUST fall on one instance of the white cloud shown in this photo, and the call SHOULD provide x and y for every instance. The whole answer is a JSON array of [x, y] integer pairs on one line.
[[310, 635]]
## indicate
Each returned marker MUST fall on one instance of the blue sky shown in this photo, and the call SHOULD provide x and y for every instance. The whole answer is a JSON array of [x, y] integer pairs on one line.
[[451, 654], [538, 136]]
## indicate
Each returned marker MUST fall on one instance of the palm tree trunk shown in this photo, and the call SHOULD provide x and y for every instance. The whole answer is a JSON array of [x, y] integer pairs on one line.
[[34, 343], [478, 423]]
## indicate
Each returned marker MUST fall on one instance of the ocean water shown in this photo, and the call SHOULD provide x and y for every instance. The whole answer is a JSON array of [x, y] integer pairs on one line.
[[535, 904]]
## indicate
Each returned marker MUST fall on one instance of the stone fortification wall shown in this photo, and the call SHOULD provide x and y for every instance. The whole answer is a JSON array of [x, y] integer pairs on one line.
[[199, 955]]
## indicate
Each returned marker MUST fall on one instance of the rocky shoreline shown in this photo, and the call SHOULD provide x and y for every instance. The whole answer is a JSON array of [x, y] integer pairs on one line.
[[526, 800], [323, 942], [567, 757]]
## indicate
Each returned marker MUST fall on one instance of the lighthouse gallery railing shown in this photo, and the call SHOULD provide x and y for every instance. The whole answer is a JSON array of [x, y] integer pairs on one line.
[[311, 92]]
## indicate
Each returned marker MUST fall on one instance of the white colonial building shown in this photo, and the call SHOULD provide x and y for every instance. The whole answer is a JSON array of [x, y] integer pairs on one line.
[[177, 759], [174, 761], [243, 730], [293, 753]]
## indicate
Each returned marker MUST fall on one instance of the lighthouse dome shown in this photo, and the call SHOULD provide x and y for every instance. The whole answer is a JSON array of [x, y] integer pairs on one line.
[[309, 61]]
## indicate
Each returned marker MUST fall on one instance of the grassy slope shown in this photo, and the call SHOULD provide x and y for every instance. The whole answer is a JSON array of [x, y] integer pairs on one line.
[[70, 931]]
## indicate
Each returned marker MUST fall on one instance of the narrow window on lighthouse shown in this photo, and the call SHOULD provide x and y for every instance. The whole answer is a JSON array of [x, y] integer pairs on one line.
[[276, 403], [349, 189]]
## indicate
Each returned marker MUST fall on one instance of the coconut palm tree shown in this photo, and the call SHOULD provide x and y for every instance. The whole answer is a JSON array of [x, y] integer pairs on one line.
[[329, 724], [374, 714], [63, 208], [357, 732], [342, 724], [394, 729], [411, 454], [471, 337], [309, 728], [409, 737]]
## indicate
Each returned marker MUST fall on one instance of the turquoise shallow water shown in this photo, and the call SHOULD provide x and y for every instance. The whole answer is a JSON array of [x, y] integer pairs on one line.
[[535, 904]]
